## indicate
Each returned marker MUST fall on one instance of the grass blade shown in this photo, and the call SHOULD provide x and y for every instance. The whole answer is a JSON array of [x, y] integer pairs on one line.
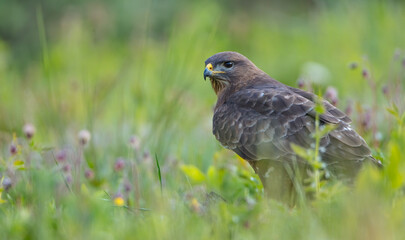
[[159, 173]]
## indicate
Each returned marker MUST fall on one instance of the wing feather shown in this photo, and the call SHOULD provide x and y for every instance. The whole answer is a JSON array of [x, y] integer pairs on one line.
[[262, 122]]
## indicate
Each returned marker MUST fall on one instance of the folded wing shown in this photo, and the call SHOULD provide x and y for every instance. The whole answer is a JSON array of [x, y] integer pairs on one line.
[[262, 122]]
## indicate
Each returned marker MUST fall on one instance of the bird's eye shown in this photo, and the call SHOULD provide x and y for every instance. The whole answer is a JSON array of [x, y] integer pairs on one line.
[[228, 64]]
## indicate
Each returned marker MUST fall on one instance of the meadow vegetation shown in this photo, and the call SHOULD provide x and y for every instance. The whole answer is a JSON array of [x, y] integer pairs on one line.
[[106, 133]]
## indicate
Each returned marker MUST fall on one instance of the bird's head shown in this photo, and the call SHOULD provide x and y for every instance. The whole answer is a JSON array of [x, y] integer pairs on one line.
[[226, 69]]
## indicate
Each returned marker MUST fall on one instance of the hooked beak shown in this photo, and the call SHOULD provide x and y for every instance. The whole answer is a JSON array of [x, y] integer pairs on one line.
[[208, 71]]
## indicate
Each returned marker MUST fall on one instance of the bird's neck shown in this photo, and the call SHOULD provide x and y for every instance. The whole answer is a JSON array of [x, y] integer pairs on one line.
[[223, 95]]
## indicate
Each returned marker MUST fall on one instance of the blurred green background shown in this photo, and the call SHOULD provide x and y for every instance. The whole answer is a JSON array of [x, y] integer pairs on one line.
[[123, 68]]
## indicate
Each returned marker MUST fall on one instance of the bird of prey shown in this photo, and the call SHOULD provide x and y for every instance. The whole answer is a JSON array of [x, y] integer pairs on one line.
[[260, 118]]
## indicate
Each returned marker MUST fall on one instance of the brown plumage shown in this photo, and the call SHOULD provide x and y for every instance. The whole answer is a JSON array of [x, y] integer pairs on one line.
[[259, 118]]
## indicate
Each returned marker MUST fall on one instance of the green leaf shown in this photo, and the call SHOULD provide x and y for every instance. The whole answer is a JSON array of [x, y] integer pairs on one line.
[[325, 129], [215, 176], [18, 163], [319, 109], [300, 151], [159, 173], [392, 112]]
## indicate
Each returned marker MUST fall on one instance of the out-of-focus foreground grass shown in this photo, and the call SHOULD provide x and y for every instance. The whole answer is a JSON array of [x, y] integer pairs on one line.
[[130, 73]]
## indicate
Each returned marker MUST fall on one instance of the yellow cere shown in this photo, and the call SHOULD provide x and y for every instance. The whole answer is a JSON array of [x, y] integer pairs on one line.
[[211, 68]]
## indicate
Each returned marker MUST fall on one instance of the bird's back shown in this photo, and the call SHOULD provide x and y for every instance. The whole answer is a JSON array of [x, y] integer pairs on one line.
[[261, 122]]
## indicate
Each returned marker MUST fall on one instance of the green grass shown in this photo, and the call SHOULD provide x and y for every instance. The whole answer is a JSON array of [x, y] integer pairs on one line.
[[149, 83]]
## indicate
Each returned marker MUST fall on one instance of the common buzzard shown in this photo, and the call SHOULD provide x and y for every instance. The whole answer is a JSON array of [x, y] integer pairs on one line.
[[260, 118]]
